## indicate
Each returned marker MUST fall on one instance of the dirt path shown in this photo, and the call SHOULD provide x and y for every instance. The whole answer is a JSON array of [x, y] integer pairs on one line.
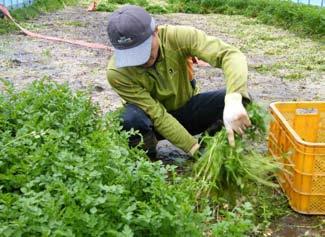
[[281, 65]]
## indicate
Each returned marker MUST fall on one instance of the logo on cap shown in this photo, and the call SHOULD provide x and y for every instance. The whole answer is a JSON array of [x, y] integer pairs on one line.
[[124, 40]]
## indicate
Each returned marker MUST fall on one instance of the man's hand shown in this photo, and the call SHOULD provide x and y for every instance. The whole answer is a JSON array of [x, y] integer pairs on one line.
[[194, 149], [235, 117]]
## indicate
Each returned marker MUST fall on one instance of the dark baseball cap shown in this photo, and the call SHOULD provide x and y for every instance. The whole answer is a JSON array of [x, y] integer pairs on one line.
[[130, 30]]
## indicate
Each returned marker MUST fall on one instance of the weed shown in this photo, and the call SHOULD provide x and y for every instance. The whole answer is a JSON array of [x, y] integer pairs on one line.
[[224, 167], [235, 223], [296, 17], [74, 23], [299, 18], [154, 7], [294, 76], [240, 177], [46, 53]]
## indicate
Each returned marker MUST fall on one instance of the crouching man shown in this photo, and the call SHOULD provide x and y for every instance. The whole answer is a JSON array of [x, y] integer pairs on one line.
[[151, 69]]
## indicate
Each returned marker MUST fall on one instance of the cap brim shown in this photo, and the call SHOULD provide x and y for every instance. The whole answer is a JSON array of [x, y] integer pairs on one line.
[[136, 56]]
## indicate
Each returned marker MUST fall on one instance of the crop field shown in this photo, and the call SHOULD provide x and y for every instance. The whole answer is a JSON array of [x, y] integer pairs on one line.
[[65, 165]]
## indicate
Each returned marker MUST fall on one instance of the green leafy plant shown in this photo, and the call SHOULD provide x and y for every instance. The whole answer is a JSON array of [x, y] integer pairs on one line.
[[150, 6], [238, 222], [223, 167], [67, 170], [300, 18]]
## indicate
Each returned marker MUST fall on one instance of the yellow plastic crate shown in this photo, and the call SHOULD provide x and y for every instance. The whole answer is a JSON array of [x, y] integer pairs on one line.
[[297, 139]]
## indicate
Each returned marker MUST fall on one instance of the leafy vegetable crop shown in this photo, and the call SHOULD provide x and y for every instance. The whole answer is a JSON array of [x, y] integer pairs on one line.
[[67, 170]]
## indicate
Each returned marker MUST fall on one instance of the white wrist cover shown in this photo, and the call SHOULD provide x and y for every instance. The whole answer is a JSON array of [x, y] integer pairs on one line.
[[194, 148]]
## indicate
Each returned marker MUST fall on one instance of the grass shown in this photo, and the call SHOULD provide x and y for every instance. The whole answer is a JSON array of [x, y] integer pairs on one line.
[[155, 6], [32, 11], [74, 23], [273, 51], [299, 18]]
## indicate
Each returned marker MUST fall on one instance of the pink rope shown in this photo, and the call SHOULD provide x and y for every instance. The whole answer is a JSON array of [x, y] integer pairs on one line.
[[5, 11]]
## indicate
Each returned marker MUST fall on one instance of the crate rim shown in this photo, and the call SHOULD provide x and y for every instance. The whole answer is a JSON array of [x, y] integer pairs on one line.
[[291, 130]]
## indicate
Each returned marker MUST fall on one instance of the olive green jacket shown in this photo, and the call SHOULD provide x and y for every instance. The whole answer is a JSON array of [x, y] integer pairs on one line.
[[166, 86]]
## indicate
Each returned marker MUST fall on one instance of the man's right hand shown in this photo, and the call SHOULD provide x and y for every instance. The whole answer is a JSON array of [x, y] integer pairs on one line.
[[235, 116]]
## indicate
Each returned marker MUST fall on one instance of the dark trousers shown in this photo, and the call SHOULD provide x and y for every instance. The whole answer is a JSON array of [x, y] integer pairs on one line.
[[203, 112]]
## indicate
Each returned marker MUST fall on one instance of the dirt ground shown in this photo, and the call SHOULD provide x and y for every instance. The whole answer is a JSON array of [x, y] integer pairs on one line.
[[23, 60]]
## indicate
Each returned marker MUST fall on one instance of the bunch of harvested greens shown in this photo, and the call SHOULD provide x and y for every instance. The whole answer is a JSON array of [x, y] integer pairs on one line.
[[223, 167]]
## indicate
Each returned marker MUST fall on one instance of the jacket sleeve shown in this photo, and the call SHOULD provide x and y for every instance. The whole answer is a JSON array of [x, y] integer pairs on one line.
[[218, 54], [165, 124]]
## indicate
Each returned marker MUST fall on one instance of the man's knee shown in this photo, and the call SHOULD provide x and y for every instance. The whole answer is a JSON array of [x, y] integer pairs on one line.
[[136, 118]]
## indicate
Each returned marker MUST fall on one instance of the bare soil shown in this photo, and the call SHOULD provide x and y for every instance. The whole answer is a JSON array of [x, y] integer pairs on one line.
[[24, 59]]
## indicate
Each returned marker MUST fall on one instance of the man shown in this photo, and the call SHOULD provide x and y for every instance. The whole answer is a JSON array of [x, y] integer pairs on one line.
[[151, 70]]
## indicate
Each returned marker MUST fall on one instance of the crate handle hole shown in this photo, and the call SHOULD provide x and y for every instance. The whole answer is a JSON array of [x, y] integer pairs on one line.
[[306, 111]]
